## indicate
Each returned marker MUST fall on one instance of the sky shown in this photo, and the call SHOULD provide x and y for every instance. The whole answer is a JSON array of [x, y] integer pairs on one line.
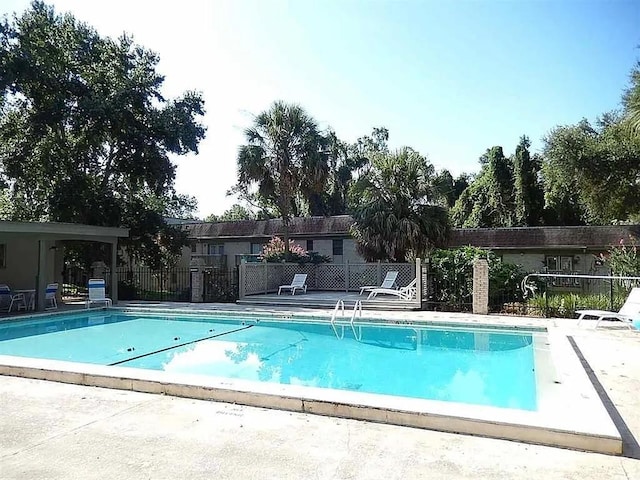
[[448, 78]]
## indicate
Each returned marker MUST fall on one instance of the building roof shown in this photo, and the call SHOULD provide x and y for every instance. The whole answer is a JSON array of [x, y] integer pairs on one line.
[[521, 238], [583, 237], [260, 229], [60, 231]]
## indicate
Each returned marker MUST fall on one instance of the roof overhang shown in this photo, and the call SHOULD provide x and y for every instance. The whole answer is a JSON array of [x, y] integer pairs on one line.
[[61, 231]]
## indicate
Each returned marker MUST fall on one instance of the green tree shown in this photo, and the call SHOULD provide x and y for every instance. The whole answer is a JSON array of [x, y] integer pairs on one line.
[[451, 188], [236, 212], [489, 200], [346, 163], [631, 100], [284, 156], [527, 191], [591, 173], [397, 208], [85, 133]]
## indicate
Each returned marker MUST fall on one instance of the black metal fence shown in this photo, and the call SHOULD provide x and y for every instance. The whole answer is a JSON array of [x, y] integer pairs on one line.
[[74, 283], [165, 284], [220, 285], [448, 290], [560, 295]]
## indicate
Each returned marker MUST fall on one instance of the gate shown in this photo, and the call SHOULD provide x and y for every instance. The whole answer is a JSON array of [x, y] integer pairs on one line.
[[220, 285]]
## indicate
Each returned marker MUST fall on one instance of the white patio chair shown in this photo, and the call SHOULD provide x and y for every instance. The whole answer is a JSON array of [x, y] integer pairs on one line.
[[298, 283], [50, 296], [630, 309], [404, 293], [388, 282], [11, 298], [97, 293]]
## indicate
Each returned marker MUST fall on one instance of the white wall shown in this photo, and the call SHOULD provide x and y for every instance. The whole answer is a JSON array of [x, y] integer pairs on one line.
[[231, 249]]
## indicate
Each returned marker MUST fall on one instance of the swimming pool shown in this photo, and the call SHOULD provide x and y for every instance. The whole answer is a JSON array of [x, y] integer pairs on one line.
[[481, 367], [428, 370]]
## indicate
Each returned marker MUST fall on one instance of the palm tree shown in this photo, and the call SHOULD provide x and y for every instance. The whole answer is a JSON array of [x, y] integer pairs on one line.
[[631, 100], [397, 213], [284, 155]]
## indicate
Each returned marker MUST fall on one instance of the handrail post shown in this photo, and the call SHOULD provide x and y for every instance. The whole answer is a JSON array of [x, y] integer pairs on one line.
[[546, 300], [611, 294], [419, 282]]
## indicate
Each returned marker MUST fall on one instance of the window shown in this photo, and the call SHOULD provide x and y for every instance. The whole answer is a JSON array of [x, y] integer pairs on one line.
[[194, 248], [309, 245], [256, 248], [3, 255], [216, 249], [337, 247], [560, 263]]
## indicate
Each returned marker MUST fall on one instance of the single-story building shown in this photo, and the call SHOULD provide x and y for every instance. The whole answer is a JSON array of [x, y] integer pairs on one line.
[[553, 248], [32, 253], [567, 249]]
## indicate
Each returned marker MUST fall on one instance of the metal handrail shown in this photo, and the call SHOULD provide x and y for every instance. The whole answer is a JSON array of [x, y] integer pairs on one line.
[[357, 308], [528, 288], [339, 306]]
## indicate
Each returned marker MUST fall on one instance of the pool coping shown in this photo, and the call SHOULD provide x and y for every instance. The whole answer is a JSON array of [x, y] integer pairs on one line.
[[570, 413]]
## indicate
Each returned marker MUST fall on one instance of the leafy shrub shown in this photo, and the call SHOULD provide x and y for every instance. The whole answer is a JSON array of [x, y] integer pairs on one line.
[[451, 271], [624, 258], [564, 305], [127, 290], [274, 252]]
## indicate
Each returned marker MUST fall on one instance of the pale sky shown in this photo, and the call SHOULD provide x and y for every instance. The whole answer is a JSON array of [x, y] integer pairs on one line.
[[450, 79]]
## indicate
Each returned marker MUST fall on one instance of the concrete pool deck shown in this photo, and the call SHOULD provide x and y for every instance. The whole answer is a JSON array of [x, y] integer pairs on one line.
[[257, 443]]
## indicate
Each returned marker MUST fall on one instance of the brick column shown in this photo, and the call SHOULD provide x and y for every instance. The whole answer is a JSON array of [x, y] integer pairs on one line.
[[481, 287], [197, 272]]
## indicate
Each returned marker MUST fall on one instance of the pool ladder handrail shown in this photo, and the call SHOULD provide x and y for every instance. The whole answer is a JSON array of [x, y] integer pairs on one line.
[[357, 309], [339, 308]]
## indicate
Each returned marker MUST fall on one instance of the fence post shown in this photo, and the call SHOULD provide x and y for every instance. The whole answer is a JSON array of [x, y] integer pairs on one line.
[[379, 273], [264, 276], [196, 285], [346, 276], [241, 276], [196, 270], [481, 287]]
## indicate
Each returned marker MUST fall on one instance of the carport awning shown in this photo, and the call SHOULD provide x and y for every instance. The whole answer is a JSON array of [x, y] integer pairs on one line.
[[61, 231], [45, 233]]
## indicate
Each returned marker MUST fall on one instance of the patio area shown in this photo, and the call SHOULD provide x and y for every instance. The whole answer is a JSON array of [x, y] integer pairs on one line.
[[63, 307], [89, 432], [328, 299]]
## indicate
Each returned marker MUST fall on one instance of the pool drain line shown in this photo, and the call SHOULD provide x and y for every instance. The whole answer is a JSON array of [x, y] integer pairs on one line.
[[180, 345]]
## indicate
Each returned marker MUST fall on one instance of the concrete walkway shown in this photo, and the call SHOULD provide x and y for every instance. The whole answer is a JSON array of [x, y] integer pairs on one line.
[[51, 431]]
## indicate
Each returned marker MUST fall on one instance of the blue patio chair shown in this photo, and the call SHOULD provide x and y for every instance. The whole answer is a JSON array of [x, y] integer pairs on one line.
[[8, 297], [50, 296], [97, 293]]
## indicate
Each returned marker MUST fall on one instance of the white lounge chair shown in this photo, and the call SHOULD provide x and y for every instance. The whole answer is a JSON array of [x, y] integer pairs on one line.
[[97, 293], [50, 296], [388, 282], [630, 309], [405, 293], [298, 283], [12, 298]]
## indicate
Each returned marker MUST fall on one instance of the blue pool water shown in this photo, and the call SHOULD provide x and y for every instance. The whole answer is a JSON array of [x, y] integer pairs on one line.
[[478, 367]]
